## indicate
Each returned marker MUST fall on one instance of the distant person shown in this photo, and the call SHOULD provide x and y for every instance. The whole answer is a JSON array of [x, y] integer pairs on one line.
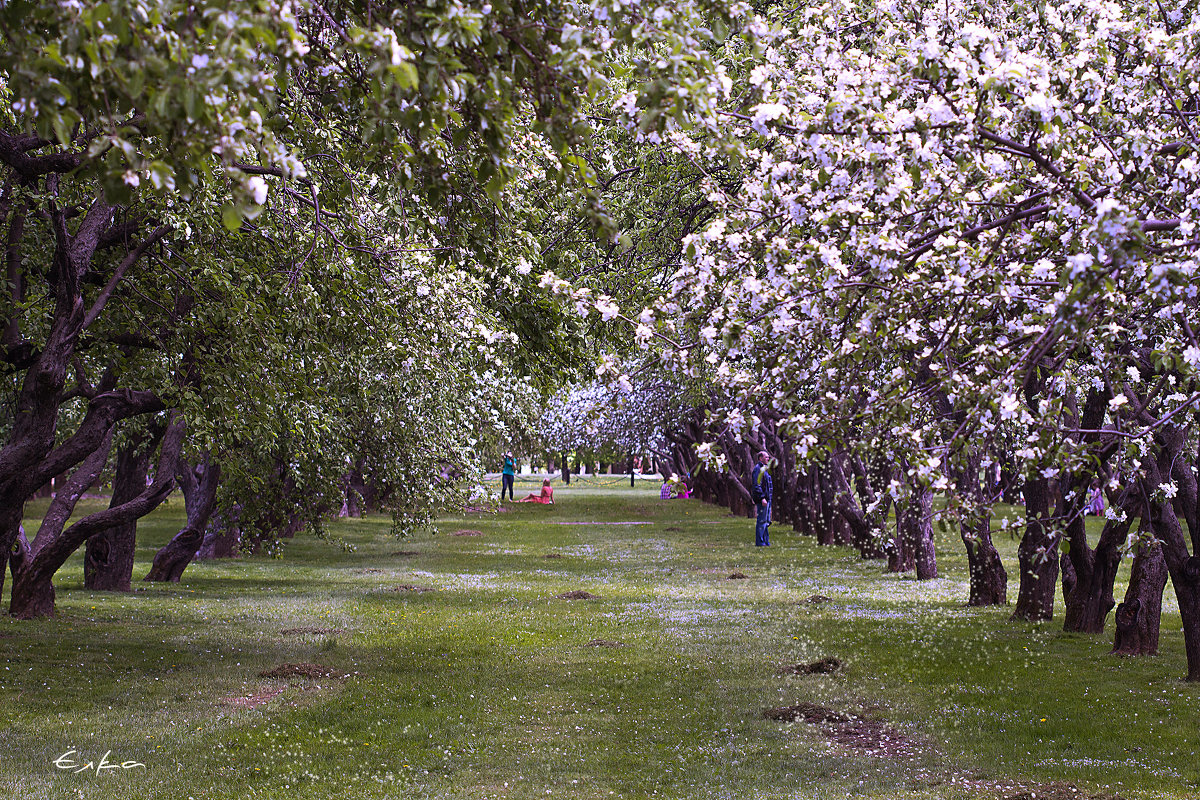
[[1096, 501], [665, 491], [508, 476], [546, 497], [761, 491]]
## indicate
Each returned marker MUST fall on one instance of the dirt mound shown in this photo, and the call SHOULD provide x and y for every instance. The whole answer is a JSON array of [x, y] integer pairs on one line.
[[737, 576], [825, 666], [811, 713], [368, 570], [673, 529], [604, 643], [409, 587], [466, 532], [312, 671], [252, 700], [871, 736], [818, 599], [404, 553], [578, 594], [310, 631], [554, 555]]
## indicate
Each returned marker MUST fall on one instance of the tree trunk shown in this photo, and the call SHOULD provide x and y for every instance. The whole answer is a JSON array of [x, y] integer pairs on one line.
[[1088, 602], [223, 537], [1037, 556], [920, 533], [199, 485], [901, 557], [108, 556], [566, 471], [989, 579], [33, 592], [1139, 614], [1183, 566]]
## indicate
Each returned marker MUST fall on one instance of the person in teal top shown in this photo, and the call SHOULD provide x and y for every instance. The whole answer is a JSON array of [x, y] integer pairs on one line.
[[761, 490], [507, 476]]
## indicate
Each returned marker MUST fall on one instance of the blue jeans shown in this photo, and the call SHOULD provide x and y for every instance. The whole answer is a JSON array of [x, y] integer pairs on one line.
[[763, 521], [506, 482]]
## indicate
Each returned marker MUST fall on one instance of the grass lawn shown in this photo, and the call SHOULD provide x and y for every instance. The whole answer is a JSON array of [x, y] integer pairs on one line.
[[452, 670]]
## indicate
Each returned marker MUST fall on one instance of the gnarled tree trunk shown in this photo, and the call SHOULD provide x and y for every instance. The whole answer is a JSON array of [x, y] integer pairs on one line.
[[1140, 612], [108, 556], [199, 486], [1037, 556], [33, 589]]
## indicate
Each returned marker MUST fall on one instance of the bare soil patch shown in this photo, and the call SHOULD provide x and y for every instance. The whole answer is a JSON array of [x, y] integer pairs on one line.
[[824, 666], [254, 700], [310, 631], [311, 671], [737, 576], [818, 599], [578, 594], [554, 555], [368, 570], [673, 528], [871, 736], [404, 553], [467, 532], [811, 713], [604, 643], [408, 587]]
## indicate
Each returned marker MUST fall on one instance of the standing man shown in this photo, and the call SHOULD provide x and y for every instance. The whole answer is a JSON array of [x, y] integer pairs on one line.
[[761, 491], [508, 476]]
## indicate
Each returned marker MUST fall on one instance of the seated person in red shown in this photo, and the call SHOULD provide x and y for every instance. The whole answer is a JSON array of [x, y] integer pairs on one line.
[[546, 497]]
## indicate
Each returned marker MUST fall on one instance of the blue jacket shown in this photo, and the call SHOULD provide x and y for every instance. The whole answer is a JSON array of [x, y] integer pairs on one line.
[[760, 484]]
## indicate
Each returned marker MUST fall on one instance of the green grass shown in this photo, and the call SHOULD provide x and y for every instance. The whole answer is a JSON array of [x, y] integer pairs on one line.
[[484, 687]]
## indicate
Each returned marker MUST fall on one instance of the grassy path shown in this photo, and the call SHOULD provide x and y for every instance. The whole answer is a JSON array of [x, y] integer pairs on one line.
[[454, 671]]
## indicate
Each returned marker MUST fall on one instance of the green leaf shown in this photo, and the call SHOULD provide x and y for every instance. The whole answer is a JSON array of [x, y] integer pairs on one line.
[[230, 217]]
